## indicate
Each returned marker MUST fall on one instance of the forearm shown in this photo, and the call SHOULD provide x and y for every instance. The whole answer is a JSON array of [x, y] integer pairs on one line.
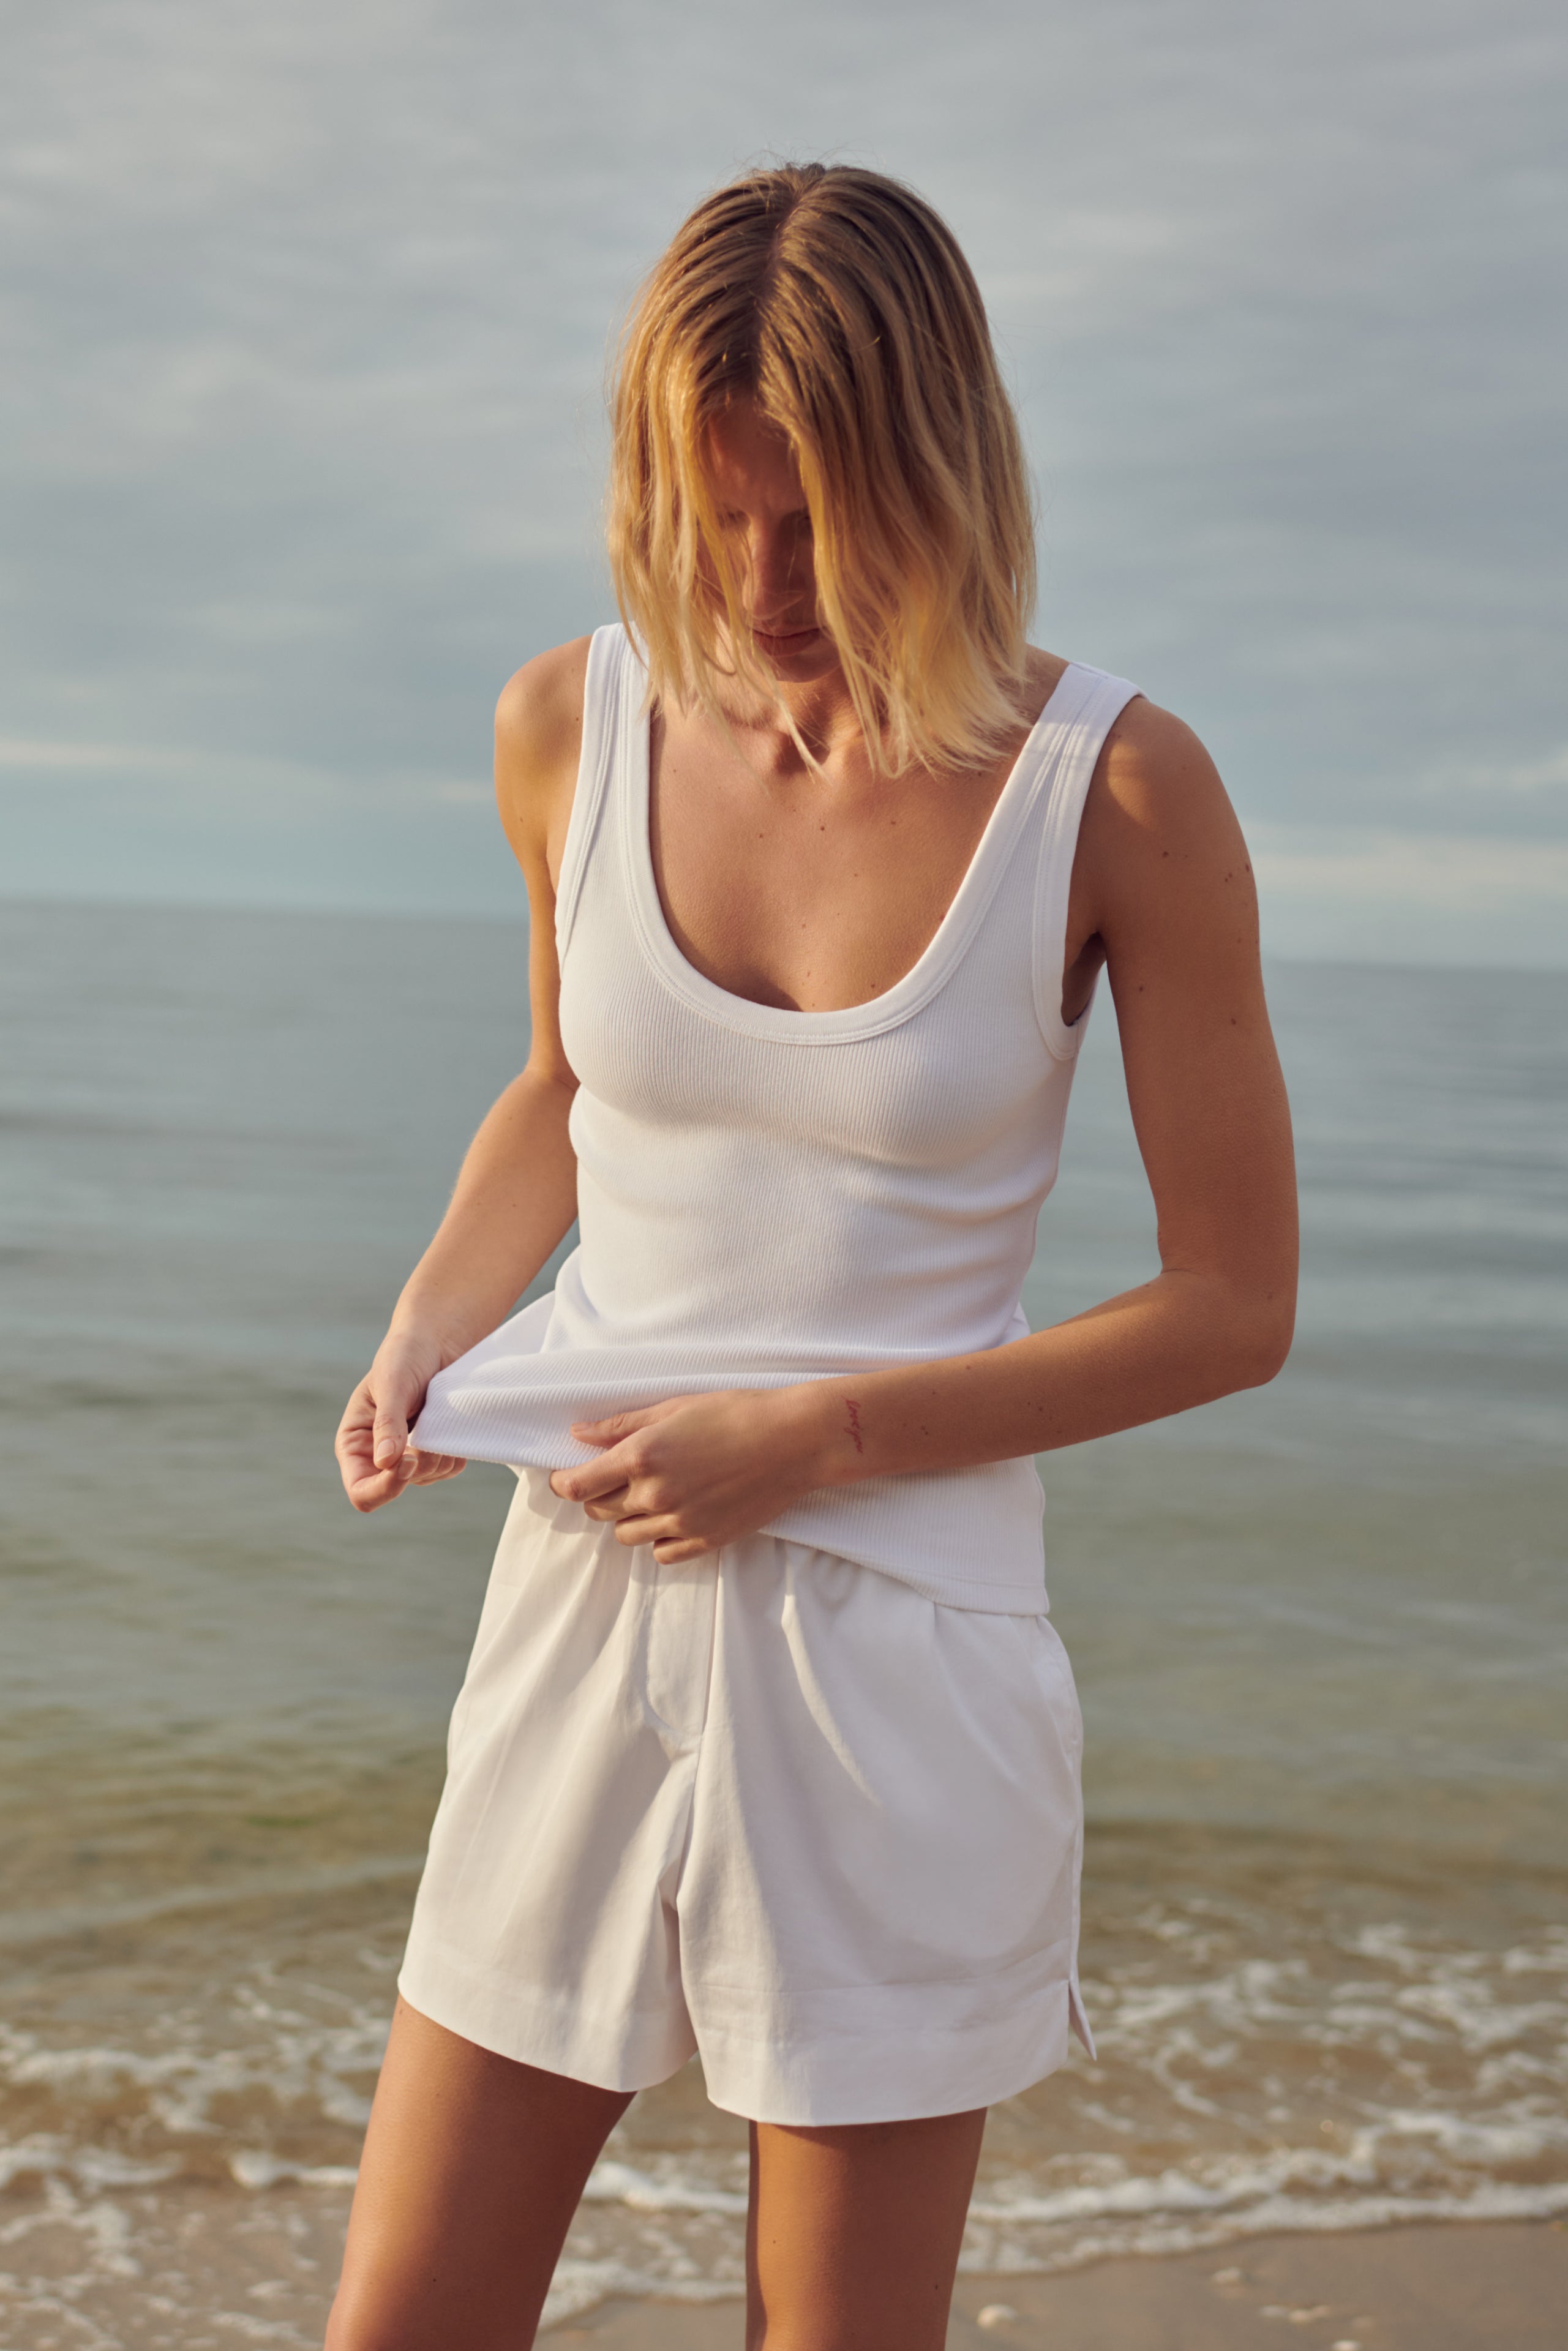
[[515, 1200], [1177, 1342]]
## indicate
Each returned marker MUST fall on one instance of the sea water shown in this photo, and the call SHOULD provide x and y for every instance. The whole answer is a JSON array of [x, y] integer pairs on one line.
[[1319, 1631]]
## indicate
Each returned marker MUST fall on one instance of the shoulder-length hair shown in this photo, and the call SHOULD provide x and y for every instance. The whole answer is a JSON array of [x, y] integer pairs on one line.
[[841, 302]]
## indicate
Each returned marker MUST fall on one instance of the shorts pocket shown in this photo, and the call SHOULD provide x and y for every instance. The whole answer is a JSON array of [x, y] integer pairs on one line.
[[1052, 1672]]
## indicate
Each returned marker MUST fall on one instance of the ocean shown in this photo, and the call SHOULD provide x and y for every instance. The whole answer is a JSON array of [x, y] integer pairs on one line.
[[1320, 1634]]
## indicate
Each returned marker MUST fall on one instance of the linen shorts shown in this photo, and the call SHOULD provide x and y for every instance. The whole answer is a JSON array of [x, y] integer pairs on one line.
[[768, 1806]]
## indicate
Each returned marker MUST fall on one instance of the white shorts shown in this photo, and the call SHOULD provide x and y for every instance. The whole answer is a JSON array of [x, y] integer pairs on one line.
[[767, 1806]]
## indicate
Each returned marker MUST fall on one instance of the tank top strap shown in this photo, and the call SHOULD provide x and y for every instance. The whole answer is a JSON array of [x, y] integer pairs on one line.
[[1077, 724], [610, 693]]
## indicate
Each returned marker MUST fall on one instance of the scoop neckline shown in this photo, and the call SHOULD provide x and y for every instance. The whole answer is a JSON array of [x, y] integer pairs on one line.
[[942, 951]]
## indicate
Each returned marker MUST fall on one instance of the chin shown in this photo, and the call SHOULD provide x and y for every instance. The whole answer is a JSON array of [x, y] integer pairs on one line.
[[798, 664]]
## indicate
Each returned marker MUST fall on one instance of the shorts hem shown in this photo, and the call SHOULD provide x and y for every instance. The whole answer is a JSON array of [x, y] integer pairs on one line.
[[531, 2030], [906, 2078], [833, 2080]]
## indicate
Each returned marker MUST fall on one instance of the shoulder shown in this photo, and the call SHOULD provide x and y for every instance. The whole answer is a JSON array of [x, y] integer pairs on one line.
[[538, 740], [1159, 835], [538, 718], [1150, 759], [1154, 767]]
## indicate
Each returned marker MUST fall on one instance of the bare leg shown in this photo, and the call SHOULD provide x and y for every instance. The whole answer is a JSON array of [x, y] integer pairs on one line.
[[472, 2170], [853, 2234]]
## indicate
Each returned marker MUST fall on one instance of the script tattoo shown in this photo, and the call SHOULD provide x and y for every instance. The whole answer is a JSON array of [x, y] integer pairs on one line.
[[853, 1411]]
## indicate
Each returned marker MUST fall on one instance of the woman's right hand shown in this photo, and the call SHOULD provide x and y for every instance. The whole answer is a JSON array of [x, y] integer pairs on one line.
[[376, 1459]]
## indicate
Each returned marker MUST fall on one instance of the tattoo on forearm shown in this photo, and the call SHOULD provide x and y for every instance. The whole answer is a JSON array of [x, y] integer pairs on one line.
[[854, 1430]]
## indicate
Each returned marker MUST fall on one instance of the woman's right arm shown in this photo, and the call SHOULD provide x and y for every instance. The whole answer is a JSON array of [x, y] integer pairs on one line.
[[516, 1194]]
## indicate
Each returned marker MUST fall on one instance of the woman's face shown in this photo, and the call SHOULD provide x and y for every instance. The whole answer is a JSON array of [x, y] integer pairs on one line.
[[762, 507]]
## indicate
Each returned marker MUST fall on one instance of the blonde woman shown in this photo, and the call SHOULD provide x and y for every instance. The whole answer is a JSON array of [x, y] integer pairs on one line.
[[767, 1749]]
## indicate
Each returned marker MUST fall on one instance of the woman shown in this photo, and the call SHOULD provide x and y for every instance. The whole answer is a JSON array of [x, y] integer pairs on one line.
[[768, 1748]]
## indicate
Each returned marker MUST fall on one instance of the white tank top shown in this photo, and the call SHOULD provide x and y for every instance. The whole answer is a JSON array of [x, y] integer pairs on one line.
[[767, 1196]]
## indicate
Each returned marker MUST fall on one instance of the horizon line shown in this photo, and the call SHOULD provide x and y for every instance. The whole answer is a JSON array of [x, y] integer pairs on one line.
[[277, 909]]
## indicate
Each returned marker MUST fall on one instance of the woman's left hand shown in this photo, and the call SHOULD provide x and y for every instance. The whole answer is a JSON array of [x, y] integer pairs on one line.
[[698, 1472]]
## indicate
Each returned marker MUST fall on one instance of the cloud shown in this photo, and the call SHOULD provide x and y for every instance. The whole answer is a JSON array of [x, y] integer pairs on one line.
[[301, 434], [1446, 871], [88, 759], [1528, 788], [1375, 895]]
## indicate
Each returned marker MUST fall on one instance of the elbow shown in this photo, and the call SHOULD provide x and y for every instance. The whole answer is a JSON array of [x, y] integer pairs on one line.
[[1265, 1345], [1247, 1329]]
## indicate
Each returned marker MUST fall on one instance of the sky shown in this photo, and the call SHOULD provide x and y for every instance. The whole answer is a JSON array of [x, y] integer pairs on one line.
[[307, 309]]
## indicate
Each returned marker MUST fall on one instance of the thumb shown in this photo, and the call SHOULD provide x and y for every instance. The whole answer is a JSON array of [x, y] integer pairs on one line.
[[390, 1436]]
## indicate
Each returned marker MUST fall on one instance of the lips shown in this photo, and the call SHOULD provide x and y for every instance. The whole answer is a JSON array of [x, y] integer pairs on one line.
[[783, 640]]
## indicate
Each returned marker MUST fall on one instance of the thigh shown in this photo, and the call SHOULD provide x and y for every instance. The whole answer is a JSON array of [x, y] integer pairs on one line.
[[472, 2170], [853, 2234]]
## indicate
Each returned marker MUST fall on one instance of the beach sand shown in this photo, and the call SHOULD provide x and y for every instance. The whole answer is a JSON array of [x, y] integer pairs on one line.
[[1420, 2289]]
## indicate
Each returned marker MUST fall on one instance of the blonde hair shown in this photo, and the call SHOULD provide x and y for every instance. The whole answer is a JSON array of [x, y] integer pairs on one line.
[[841, 302]]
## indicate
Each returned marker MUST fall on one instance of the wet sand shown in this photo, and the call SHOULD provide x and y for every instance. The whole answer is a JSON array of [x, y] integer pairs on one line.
[[1503, 2288]]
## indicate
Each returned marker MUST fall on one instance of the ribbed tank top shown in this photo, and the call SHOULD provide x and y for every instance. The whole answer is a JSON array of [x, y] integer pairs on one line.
[[768, 1195]]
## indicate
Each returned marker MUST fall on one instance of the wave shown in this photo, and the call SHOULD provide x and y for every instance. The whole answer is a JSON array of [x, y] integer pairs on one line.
[[1353, 2078]]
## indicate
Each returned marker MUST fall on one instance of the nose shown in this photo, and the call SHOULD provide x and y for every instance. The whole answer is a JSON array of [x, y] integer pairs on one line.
[[782, 582]]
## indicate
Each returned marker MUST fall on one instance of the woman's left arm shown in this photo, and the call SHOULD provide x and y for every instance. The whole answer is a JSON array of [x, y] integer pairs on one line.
[[1163, 893]]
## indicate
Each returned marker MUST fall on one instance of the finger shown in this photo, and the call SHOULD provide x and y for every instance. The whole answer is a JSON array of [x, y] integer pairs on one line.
[[431, 1468], [593, 1480], [609, 1506], [674, 1553], [618, 1424], [353, 1441], [354, 1464], [386, 1484], [370, 1491], [627, 1424], [658, 1529], [352, 1450]]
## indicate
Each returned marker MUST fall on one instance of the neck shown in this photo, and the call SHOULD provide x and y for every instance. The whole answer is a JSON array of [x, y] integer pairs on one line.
[[812, 722]]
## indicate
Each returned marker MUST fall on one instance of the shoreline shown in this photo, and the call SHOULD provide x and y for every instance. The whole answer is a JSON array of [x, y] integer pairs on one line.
[[1457, 2285], [170, 2272]]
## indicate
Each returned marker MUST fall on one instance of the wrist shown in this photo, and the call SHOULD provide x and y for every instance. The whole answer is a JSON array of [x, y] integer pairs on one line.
[[826, 1434], [426, 1338]]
